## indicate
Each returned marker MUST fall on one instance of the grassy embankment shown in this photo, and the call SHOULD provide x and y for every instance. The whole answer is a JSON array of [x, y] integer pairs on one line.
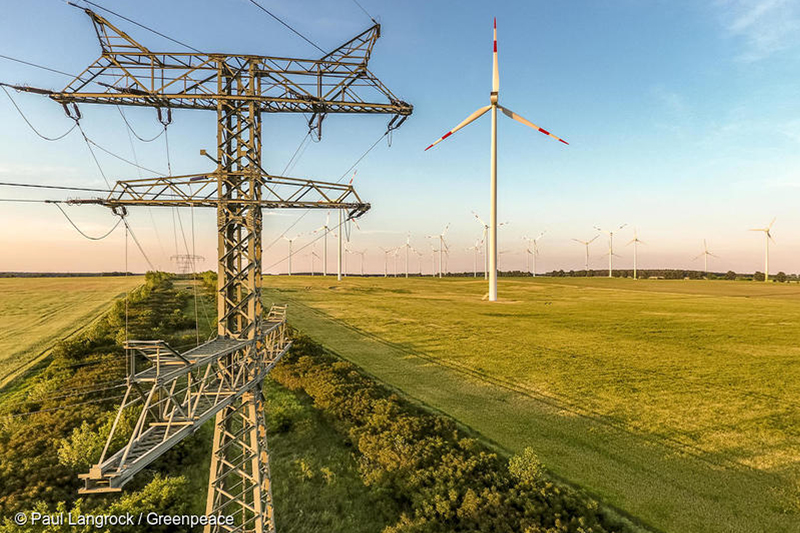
[[36, 312], [675, 401]]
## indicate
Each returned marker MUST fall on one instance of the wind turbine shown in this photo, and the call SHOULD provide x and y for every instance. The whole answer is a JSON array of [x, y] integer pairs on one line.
[[532, 250], [478, 245], [442, 246], [586, 244], [486, 243], [314, 254], [433, 259], [289, 255], [610, 248], [327, 229], [362, 253], [767, 238], [635, 241], [341, 230], [407, 247], [493, 107], [705, 255], [386, 260]]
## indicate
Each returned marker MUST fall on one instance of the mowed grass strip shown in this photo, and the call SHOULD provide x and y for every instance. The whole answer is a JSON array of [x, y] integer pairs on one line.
[[674, 401], [36, 312]]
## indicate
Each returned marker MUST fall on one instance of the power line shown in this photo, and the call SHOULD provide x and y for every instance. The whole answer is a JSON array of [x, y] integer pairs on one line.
[[301, 217], [98, 6], [28, 122], [131, 130], [306, 39], [365, 11], [38, 66], [58, 187], [109, 232]]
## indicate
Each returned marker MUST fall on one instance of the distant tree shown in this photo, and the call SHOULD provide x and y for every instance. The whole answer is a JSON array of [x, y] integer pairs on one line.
[[758, 276], [731, 275], [781, 277]]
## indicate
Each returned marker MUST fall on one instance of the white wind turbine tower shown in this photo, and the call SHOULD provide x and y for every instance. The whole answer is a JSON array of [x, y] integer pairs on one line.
[[407, 246], [767, 238], [442, 246], [433, 259], [289, 255], [493, 107], [533, 251], [485, 241], [705, 255], [419, 260], [477, 247], [362, 253], [327, 229], [386, 260], [586, 244], [635, 241], [314, 255], [610, 247]]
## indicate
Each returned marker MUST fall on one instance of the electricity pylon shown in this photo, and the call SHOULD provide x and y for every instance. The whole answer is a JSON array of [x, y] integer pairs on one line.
[[187, 262], [222, 378]]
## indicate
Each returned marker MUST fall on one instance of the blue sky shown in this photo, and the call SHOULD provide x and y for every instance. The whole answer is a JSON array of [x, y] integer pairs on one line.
[[682, 119]]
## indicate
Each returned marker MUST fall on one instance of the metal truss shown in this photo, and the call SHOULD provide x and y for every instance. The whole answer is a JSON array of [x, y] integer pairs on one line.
[[200, 190], [177, 392], [128, 73]]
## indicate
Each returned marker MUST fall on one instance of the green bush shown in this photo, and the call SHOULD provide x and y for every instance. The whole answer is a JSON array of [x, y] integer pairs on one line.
[[443, 481]]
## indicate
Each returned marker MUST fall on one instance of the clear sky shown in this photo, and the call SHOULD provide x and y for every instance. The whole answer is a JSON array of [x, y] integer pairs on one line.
[[683, 119]]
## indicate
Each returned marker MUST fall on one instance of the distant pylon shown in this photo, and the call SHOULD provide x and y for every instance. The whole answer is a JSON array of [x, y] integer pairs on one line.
[[187, 262]]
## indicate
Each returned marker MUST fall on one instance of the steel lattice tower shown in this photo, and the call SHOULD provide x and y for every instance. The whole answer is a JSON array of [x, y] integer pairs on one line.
[[222, 378]]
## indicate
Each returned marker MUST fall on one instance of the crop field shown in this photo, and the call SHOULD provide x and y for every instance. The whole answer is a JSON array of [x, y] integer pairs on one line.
[[36, 312], [676, 402]]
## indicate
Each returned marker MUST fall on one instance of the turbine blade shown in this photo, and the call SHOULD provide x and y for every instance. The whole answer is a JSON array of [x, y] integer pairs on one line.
[[593, 238], [523, 120], [466, 121], [771, 223], [495, 71]]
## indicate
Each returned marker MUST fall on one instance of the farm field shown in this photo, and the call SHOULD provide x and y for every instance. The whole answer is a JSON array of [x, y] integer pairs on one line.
[[674, 401], [36, 312]]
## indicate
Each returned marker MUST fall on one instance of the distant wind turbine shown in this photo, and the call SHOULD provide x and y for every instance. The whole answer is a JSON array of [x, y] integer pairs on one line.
[[532, 250], [386, 260], [289, 255], [767, 238], [494, 106], [476, 247], [485, 240], [610, 248], [407, 246], [442, 245], [635, 241], [327, 229], [586, 244], [705, 255]]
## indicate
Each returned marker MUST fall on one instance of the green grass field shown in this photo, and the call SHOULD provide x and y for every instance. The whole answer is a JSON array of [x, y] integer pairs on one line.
[[674, 401], [36, 312]]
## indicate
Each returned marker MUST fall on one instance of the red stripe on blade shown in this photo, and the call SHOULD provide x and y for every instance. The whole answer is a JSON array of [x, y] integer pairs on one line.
[[563, 141], [495, 46], [446, 135], [428, 148], [544, 131]]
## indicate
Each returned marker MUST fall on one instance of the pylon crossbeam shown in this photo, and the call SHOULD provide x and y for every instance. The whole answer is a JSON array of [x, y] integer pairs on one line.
[[178, 400]]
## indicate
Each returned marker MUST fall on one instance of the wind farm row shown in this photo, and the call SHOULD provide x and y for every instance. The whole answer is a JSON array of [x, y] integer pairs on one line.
[[431, 254]]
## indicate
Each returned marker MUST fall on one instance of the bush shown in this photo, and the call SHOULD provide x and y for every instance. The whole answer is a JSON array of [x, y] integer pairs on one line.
[[442, 480]]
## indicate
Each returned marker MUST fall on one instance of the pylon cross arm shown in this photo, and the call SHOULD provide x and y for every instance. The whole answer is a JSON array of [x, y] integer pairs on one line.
[[201, 190]]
